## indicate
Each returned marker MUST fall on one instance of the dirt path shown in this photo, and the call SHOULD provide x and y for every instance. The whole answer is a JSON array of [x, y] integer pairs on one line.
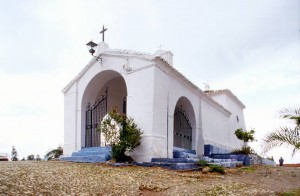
[[62, 178]]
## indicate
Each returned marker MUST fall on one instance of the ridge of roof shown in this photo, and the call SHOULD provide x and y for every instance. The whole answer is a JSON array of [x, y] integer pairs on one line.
[[149, 56], [108, 52], [193, 85], [67, 87], [129, 52], [226, 91]]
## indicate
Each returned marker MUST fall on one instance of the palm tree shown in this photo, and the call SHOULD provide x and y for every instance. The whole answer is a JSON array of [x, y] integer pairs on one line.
[[285, 135]]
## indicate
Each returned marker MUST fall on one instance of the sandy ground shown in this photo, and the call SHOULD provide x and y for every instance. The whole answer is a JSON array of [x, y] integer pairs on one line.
[[62, 178]]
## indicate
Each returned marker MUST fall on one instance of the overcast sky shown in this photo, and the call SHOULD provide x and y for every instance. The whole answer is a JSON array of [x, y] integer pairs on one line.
[[251, 47]]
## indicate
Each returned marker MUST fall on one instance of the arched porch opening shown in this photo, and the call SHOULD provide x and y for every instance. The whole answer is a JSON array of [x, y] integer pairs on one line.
[[184, 124], [106, 91]]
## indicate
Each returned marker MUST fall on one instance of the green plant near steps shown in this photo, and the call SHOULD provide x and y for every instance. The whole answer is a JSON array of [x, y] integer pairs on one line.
[[121, 133], [246, 136], [216, 168], [202, 163], [244, 150]]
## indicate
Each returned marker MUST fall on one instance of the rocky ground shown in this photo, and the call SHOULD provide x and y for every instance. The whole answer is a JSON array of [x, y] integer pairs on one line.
[[62, 178]]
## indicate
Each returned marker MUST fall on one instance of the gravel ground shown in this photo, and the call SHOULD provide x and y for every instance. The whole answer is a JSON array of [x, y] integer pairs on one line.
[[63, 178]]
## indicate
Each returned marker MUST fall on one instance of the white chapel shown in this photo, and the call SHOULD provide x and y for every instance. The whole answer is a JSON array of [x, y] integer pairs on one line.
[[170, 110]]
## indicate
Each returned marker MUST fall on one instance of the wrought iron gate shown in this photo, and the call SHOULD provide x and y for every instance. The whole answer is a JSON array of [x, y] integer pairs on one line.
[[94, 115], [124, 105], [182, 130]]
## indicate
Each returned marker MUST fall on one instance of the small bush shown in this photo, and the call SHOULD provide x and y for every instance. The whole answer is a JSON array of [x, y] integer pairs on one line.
[[217, 168], [246, 136], [202, 163], [244, 150], [121, 133], [54, 154]]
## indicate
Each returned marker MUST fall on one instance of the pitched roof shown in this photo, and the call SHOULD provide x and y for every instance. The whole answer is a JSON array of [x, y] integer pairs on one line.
[[208, 98], [227, 92], [149, 57], [113, 52]]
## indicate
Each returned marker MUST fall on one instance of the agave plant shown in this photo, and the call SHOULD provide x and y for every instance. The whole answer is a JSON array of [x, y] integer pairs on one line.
[[285, 135]]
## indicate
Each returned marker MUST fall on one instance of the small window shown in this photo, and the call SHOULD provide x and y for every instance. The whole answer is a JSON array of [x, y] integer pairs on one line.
[[237, 119]]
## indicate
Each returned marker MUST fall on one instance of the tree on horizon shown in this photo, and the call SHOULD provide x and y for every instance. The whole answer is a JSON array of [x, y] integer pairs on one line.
[[289, 136], [14, 154], [30, 157], [54, 154]]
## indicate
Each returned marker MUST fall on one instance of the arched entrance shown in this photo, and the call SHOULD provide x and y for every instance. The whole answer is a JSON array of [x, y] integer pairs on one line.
[[184, 122], [106, 91]]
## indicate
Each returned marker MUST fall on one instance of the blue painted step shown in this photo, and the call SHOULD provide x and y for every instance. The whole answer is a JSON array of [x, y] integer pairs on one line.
[[90, 155], [183, 159], [174, 160], [239, 157], [93, 151], [87, 159], [184, 153], [168, 165]]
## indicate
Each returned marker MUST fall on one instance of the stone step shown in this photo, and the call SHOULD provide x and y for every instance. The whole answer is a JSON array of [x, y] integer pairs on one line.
[[190, 163], [180, 166], [184, 150], [98, 148], [175, 160], [90, 153], [178, 154], [239, 157], [212, 160], [184, 153], [166, 165], [87, 159], [93, 151], [231, 164], [211, 149]]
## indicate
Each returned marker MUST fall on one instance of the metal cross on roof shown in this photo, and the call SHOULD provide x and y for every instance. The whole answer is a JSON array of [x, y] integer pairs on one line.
[[102, 32]]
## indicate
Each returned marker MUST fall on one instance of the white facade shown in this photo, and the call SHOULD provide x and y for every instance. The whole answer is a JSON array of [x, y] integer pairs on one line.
[[153, 89]]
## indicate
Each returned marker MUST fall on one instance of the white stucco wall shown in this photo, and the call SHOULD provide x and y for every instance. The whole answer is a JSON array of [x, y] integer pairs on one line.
[[91, 85], [236, 109], [169, 89], [215, 126], [70, 120], [140, 107], [153, 90]]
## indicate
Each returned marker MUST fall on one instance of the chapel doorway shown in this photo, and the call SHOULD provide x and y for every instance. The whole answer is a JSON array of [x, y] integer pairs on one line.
[[183, 124], [93, 117], [111, 94]]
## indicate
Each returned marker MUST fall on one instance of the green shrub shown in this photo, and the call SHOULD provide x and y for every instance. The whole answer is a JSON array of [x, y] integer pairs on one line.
[[54, 154], [121, 133], [202, 163], [244, 150], [217, 168], [246, 136]]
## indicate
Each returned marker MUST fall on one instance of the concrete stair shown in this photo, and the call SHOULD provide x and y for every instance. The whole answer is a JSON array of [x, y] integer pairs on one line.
[[187, 159], [237, 157], [182, 159], [89, 155]]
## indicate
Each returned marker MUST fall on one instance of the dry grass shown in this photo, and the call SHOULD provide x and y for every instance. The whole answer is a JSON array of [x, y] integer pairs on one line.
[[63, 178]]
